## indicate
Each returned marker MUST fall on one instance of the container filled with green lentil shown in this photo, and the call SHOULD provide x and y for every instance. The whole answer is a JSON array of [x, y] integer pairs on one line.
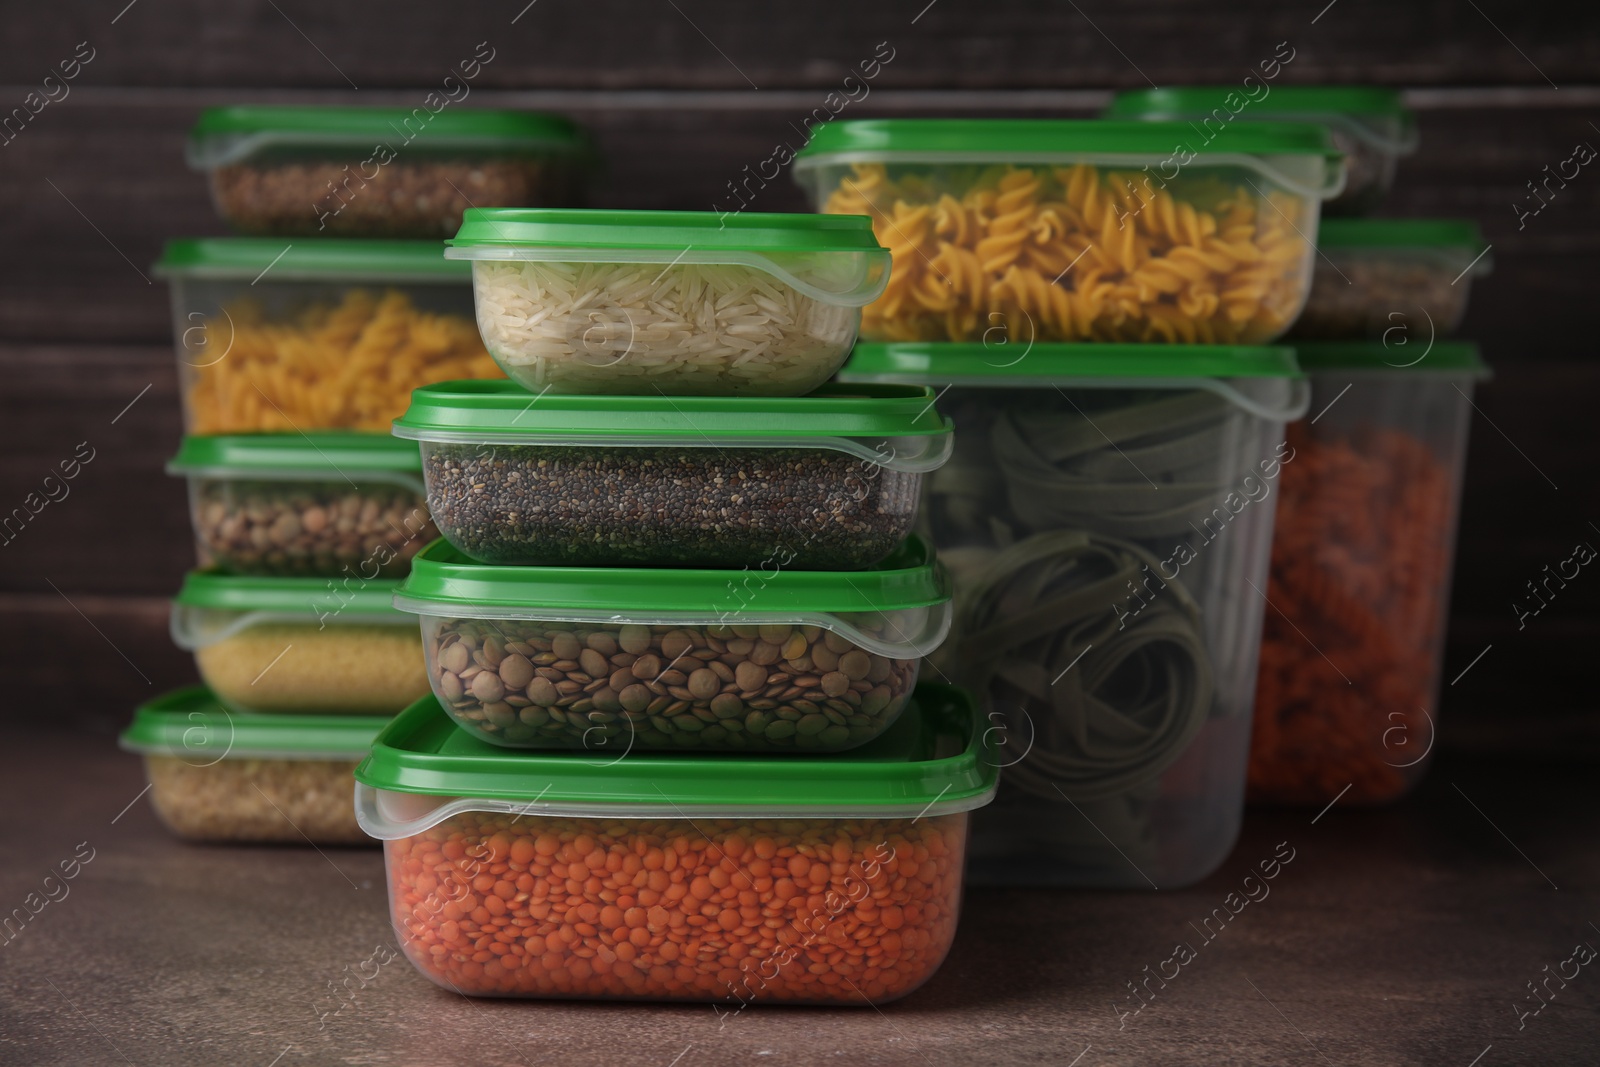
[[623, 659], [828, 481]]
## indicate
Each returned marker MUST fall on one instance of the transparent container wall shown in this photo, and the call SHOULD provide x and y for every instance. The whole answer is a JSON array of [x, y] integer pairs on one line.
[[201, 797], [292, 356], [705, 686], [1361, 569], [1109, 551], [342, 665], [332, 191], [1369, 167], [659, 506], [800, 911], [685, 329], [1395, 295], [1080, 252], [286, 527]]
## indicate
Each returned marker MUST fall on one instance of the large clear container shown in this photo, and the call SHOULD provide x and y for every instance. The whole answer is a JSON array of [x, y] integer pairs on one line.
[[1400, 281], [1346, 705], [618, 659], [1025, 231], [215, 776], [314, 334], [1369, 124], [824, 880], [828, 481], [330, 646], [1106, 520], [680, 303], [323, 504], [310, 171]]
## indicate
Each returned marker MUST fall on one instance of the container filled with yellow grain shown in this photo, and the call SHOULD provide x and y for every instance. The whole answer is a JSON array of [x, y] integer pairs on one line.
[[301, 645], [317, 333]]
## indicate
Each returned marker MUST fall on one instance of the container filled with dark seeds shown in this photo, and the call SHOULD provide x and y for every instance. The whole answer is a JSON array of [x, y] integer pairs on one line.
[[622, 659], [828, 481], [322, 504]]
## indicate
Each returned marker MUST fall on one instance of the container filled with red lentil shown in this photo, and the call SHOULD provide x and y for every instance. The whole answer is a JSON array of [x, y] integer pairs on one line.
[[623, 659], [817, 880]]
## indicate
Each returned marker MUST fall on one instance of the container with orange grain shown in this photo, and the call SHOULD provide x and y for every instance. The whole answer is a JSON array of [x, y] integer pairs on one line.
[[1360, 582], [824, 879]]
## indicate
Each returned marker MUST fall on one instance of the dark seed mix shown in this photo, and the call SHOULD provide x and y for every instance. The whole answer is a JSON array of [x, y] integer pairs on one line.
[[1368, 297], [615, 689], [815, 509]]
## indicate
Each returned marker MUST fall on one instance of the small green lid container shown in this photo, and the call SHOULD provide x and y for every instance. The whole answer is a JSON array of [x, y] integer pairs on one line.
[[935, 760], [191, 724], [566, 229], [1459, 358], [329, 454], [287, 596], [1441, 234], [1358, 108], [338, 259]]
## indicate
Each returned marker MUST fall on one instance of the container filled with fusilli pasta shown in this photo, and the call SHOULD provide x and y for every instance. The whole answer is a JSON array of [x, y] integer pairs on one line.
[[1035, 231], [1106, 518], [1361, 560], [681, 303], [315, 334]]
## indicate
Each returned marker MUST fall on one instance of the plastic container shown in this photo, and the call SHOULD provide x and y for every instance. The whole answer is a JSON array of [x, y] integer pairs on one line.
[[221, 777], [829, 481], [1347, 704], [1369, 124], [1029, 230], [314, 334], [826, 880], [1106, 520], [1395, 280], [618, 659], [381, 171], [683, 303], [325, 504], [300, 645]]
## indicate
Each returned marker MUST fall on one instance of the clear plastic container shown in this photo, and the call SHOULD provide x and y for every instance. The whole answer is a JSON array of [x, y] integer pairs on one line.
[[617, 659], [1400, 281], [328, 334], [1369, 124], [324, 504], [215, 776], [1106, 520], [1026, 230], [331, 646], [682, 303], [828, 481], [1346, 705], [311, 171], [826, 880]]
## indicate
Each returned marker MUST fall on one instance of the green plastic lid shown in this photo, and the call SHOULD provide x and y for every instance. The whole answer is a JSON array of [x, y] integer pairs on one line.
[[329, 454], [1443, 357], [272, 259], [936, 759], [293, 596], [190, 723], [1350, 108], [674, 231], [1401, 233]]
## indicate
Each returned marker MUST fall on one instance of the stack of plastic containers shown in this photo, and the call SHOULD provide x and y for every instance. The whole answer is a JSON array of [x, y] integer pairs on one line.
[[296, 346], [674, 630], [1095, 301]]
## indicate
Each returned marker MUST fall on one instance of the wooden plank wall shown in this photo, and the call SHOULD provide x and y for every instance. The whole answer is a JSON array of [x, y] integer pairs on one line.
[[680, 97]]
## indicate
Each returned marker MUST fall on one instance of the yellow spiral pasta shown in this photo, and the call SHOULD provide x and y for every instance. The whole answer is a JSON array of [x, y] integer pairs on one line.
[[1080, 254]]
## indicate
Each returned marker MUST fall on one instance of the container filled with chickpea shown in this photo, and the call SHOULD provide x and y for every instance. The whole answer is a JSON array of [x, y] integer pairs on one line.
[[319, 171], [1347, 699], [317, 333], [1370, 124], [323, 504], [1030, 230], [827, 481], [624, 660], [809, 880], [216, 776], [1106, 520], [300, 646]]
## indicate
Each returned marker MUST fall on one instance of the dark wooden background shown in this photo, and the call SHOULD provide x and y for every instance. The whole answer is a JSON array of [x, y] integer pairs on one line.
[[681, 95]]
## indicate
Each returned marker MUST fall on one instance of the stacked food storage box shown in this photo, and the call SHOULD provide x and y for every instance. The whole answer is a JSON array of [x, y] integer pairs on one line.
[[296, 346]]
